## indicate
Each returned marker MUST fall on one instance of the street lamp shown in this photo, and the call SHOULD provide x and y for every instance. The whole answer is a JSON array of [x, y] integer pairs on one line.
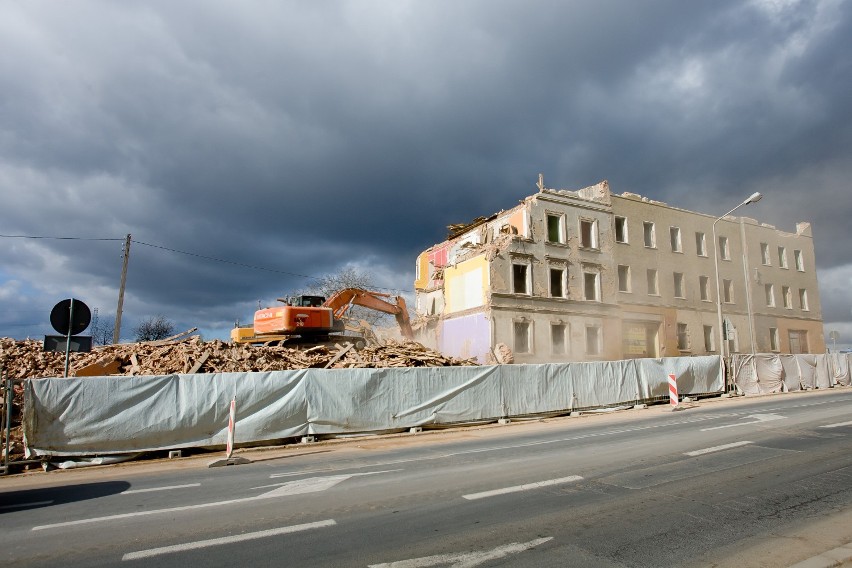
[[753, 198]]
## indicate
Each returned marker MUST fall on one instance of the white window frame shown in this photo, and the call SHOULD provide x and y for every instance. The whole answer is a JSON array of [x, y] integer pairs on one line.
[[628, 287], [769, 289], [529, 339], [704, 288], [787, 297], [803, 300], [594, 234], [724, 248], [652, 233], [678, 278], [683, 339], [560, 217], [765, 257], [782, 258], [701, 244], [563, 280], [528, 280], [728, 291], [655, 281], [626, 238], [798, 260], [597, 285], [774, 340], [709, 339], [598, 347], [675, 238], [566, 334]]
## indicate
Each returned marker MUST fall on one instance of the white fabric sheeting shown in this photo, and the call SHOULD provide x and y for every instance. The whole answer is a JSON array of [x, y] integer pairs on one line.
[[108, 415]]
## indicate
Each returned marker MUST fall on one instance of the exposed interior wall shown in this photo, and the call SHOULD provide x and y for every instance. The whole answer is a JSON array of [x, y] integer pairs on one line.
[[466, 285]]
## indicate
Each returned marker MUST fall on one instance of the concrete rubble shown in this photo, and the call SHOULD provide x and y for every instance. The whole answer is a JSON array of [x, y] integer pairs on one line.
[[26, 359]]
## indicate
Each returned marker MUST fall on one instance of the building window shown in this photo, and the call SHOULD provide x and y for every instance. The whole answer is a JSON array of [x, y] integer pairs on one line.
[[728, 291], [650, 236], [558, 282], [591, 286], [558, 337], [679, 291], [588, 234], [764, 254], [593, 340], [770, 295], [800, 262], [555, 228], [803, 299], [653, 289], [724, 251], [623, 278], [522, 337], [782, 257], [700, 244], [703, 290], [682, 337], [773, 339], [521, 279], [674, 235], [709, 339], [787, 297], [620, 230], [798, 341]]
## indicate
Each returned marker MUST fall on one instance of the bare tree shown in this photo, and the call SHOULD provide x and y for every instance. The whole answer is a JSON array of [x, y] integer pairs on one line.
[[102, 330], [153, 328], [348, 277]]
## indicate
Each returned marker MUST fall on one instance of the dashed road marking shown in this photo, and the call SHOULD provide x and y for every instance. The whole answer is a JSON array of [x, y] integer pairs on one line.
[[717, 449], [166, 488], [838, 425], [466, 559], [758, 419], [225, 540], [524, 487]]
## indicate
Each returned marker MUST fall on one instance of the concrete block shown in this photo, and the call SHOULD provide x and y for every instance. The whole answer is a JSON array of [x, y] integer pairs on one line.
[[574, 414], [228, 461], [175, 454], [640, 407], [504, 421], [416, 430], [309, 439]]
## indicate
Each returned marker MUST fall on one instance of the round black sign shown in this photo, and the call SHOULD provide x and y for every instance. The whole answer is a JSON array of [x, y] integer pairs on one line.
[[61, 317]]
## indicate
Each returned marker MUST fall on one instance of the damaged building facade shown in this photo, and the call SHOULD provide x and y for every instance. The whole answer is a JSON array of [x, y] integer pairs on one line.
[[587, 275]]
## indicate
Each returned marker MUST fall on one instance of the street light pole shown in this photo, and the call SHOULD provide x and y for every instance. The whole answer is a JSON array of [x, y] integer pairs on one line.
[[753, 198]]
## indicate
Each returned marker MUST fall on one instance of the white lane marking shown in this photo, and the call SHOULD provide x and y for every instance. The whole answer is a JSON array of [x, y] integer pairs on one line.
[[288, 483], [717, 449], [838, 425], [511, 446], [525, 487], [166, 488], [465, 559], [22, 505], [225, 540], [758, 419], [299, 487]]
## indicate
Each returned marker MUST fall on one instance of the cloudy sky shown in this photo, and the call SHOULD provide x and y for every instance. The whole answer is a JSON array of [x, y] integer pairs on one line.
[[291, 139]]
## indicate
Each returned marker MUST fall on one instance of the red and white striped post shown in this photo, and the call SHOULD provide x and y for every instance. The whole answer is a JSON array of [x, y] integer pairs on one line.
[[673, 400], [232, 418]]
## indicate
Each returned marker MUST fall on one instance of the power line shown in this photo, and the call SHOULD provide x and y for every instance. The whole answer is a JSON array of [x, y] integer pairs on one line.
[[55, 238], [187, 253]]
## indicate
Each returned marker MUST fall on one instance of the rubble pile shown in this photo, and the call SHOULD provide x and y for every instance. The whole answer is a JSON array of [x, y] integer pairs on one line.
[[25, 359]]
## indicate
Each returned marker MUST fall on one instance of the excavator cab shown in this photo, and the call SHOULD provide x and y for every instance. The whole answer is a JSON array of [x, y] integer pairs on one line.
[[308, 301]]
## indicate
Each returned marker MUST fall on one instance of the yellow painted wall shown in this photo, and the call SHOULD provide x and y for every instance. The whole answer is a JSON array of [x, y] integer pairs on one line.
[[465, 284], [423, 264]]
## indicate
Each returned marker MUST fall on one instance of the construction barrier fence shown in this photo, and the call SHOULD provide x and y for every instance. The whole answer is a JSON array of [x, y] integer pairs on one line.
[[769, 373], [111, 415]]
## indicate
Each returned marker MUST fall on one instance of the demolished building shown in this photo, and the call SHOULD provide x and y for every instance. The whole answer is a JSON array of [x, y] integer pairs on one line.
[[588, 275]]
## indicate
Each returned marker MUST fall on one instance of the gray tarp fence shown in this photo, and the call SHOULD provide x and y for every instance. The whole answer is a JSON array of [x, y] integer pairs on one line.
[[107, 415], [767, 373]]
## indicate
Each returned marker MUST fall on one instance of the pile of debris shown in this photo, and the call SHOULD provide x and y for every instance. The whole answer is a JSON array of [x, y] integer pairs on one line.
[[25, 359]]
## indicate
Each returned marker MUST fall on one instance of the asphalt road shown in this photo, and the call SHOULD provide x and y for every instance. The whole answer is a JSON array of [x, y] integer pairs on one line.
[[743, 482]]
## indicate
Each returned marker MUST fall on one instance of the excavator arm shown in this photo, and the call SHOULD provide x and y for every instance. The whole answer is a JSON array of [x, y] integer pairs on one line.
[[341, 301]]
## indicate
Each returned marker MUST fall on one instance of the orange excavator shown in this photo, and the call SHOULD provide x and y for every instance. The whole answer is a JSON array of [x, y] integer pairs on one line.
[[314, 320]]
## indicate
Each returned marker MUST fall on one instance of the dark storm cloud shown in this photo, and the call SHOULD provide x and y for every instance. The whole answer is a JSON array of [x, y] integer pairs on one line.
[[303, 136]]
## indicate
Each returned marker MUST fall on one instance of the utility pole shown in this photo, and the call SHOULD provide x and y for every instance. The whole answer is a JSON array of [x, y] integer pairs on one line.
[[126, 254]]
